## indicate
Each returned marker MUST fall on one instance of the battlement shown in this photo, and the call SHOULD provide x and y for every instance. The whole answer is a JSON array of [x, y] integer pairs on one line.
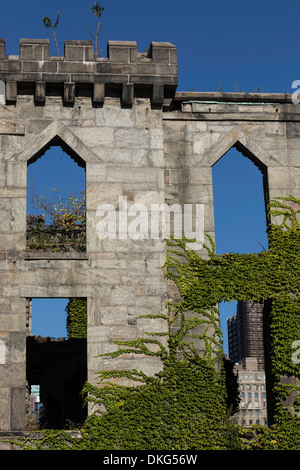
[[124, 69]]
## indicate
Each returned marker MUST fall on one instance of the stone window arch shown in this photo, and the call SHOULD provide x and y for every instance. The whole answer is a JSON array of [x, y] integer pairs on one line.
[[240, 187], [55, 230], [240, 195]]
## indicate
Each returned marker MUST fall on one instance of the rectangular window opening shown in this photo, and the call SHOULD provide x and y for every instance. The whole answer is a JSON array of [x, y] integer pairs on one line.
[[56, 362], [247, 350], [56, 201]]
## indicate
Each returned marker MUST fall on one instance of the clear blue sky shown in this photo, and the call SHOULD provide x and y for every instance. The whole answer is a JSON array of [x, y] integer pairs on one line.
[[237, 45], [250, 43]]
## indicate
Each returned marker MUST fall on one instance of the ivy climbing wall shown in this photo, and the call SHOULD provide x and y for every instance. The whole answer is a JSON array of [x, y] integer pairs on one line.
[[141, 141]]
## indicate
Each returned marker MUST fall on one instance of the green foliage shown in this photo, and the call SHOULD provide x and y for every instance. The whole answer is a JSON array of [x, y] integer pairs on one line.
[[66, 210], [280, 436], [185, 406], [97, 11], [273, 276], [54, 239], [49, 24], [182, 409], [76, 318], [67, 213]]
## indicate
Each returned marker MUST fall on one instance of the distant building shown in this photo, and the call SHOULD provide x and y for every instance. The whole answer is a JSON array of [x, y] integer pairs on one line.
[[245, 333], [35, 403], [252, 386], [246, 351]]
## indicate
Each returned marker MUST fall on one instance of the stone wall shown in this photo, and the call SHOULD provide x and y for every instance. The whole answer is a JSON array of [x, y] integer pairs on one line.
[[263, 127], [121, 118], [108, 116]]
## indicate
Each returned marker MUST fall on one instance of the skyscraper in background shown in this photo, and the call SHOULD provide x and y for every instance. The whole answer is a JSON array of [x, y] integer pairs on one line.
[[245, 332], [246, 351]]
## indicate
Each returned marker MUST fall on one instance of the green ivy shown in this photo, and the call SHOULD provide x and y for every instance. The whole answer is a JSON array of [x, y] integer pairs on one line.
[[76, 318], [272, 276], [56, 239], [185, 406]]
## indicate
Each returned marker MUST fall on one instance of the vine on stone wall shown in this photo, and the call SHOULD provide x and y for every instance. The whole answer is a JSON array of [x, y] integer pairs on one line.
[[185, 406], [76, 318], [272, 276]]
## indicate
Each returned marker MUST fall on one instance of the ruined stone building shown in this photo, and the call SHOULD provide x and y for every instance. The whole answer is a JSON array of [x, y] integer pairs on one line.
[[140, 141]]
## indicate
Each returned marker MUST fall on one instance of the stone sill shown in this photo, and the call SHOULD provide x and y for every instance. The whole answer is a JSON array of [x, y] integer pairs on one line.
[[235, 97], [48, 255]]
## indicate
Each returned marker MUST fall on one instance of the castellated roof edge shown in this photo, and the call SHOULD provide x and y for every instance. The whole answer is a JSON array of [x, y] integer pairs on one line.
[[124, 67]]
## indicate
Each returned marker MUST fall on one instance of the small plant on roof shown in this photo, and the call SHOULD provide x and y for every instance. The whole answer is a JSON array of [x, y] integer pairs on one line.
[[48, 24], [97, 11]]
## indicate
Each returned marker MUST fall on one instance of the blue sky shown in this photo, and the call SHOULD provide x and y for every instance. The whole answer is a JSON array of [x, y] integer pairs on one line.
[[236, 45], [249, 43]]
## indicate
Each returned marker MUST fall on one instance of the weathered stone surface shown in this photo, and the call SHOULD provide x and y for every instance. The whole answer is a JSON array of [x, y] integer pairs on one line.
[[34, 49], [79, 51], [121, 120], [11, 127], [123, 66], [122, 51], [2, 48]]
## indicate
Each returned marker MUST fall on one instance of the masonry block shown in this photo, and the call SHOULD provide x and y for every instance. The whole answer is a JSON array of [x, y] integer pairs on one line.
[[98, 93], [127, 93], [69, 92], [107, 114], [34, 49], [78, 50], [158, 94], [163, 53], [40, 92], [2, 48], [18, 407], [7, 67], [122, 52], [11, 91]]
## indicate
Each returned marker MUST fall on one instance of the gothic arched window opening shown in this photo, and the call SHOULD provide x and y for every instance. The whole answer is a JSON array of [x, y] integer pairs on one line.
[[56, 203]]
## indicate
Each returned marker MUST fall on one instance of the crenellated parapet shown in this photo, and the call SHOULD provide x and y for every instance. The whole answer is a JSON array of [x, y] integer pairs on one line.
[[124, 70]]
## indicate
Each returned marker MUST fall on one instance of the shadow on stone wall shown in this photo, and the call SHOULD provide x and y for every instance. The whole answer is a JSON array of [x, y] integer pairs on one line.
[[59, 366]]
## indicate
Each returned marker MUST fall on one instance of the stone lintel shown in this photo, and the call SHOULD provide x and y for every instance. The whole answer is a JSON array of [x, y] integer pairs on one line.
[[234, 97]]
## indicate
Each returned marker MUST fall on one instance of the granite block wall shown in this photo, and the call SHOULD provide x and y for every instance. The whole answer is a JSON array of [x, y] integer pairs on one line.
[[141, 142]]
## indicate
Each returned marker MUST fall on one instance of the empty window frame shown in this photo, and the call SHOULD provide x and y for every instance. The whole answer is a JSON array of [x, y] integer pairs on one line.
[[56, 362], [56, 203]]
